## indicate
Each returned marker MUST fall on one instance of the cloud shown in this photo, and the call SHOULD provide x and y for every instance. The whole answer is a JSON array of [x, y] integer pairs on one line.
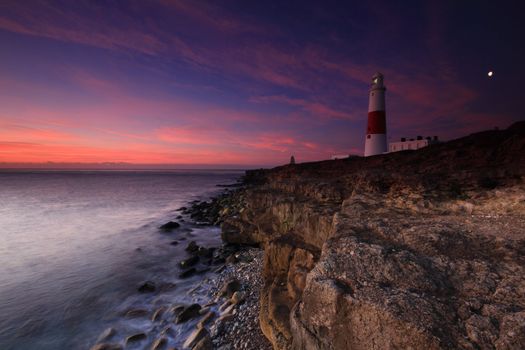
[[320, 110], [80, 29], [225, 86]]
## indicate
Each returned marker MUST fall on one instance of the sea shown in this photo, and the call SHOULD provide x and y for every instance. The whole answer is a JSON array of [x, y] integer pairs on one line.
[[75, 246]]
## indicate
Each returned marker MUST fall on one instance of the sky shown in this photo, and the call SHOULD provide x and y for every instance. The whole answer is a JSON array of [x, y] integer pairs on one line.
[[247, 83]]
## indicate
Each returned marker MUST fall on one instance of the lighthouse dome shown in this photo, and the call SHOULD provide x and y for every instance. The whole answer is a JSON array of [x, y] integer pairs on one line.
[[377, 80]]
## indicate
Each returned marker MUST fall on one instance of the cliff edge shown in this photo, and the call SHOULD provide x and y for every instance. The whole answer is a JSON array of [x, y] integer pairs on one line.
[[410, 250]]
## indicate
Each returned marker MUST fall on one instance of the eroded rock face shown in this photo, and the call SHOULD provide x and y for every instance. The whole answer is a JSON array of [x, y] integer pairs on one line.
[[413, 250]]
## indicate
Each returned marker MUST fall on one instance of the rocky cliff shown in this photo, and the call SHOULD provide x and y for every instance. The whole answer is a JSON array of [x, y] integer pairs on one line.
[[411, 250]]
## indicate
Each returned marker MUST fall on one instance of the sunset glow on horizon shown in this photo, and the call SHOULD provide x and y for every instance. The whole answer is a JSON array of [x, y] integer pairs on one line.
[[183, 82]]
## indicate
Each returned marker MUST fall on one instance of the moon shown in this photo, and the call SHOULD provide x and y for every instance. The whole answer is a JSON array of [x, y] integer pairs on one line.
[[490, 74]]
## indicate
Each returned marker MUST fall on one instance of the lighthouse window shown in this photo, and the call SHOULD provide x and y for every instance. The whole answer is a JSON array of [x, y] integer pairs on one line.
[[368, 136]]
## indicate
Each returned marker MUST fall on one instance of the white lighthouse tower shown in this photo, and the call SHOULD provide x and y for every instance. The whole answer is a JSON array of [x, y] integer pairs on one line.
[[375, 142]]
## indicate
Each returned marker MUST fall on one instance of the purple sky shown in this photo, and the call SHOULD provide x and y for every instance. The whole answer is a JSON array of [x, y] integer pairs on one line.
[[247, 82]]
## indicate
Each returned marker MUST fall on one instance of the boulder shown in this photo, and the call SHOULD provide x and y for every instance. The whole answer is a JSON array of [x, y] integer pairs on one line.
[[195, 337], [107, 334], [229, 288], [204, 344], [166, 287], [147, 287], [188, 313], [205, 252], [159, 344], [188, 273], [189, 262], [238, 298], [134, 313], [135, 338], [157, 315], [169, 226], [206, 319], [192, 247]]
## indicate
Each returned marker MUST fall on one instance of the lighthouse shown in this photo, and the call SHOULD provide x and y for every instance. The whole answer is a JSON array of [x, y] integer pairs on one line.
[[375, 142]]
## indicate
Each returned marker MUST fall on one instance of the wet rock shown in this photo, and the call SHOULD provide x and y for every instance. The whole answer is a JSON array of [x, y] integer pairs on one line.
[[232, 259], [106, 346], [188, 313], [228, 310], [203, 270], [166, 287], [226, 318], [192, 247], [159, 344], [106, 335], [169, 226], [189, 262], [205, 252], [218, 261], [237, 298], [135, 313], [157, 315], [174, 243], [147, 287], [204, 344], [206, 319], [230, 287], [182, 209], [188, 273], [196, 337], [204, 310], [225, 305], [168, 331], [135, 338], [177, 309]]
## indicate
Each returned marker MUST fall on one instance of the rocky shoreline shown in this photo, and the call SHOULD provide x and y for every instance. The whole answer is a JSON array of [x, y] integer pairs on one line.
[[229, 319], [235, 290], [412, 250]]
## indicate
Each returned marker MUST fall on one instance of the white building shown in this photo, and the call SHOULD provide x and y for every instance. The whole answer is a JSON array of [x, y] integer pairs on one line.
[[412, 144]]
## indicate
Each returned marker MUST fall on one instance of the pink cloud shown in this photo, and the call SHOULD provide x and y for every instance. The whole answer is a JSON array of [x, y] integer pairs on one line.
[[318, 109]]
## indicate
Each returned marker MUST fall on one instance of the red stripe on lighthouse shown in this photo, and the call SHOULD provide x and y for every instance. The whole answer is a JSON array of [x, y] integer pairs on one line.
[[376, 122]]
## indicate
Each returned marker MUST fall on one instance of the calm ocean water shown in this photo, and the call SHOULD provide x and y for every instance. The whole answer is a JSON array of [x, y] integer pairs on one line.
[[75, 245]]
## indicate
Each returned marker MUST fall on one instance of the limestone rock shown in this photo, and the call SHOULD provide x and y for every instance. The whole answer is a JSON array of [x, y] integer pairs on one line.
[[159, 344], [420, 250], [229, 288], [196, 337], [206, 319], [107, 334]]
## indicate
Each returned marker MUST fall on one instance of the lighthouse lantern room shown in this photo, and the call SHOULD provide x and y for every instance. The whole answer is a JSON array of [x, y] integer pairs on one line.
[[375, 142]]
